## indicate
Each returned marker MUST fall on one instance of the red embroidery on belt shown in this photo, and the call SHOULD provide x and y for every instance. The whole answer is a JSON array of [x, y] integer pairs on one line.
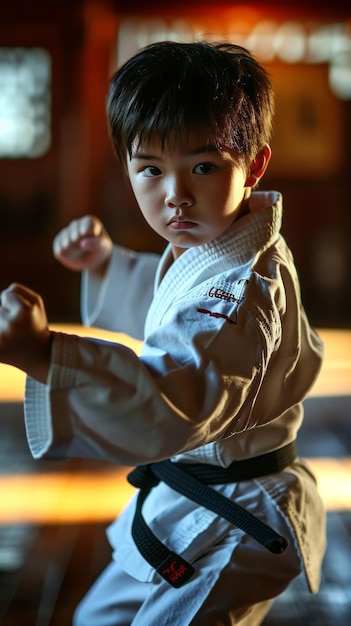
[[215, 314], [175, 570]]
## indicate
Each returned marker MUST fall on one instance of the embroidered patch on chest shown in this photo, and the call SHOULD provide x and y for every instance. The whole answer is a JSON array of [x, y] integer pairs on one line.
[[235, 295]]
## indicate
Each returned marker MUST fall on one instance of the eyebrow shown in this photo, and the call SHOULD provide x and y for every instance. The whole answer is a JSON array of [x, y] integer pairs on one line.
[[143, 156]]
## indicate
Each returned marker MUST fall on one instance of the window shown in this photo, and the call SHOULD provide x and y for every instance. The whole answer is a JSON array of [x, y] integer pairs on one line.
[[25, 102]]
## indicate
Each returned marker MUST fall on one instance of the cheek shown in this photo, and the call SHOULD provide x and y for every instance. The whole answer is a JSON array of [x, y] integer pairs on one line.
[[138, 190], [234, 192], [146, 200], [143, 188]]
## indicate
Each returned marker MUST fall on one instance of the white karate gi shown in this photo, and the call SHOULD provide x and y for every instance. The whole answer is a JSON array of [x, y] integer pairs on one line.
[[228, 355]]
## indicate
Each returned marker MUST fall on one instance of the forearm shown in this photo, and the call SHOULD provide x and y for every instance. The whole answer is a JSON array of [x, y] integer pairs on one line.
[[102, 401], [120, 300]]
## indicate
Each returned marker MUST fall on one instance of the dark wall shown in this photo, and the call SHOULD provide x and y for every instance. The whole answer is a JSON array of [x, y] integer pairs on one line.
[[79, 174]]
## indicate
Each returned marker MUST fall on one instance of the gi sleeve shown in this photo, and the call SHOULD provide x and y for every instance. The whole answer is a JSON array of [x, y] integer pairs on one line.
[[119, 302], [210, 367], [198, 375]]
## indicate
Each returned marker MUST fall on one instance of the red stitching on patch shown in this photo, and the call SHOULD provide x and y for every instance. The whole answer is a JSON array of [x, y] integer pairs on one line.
[[218, 315]]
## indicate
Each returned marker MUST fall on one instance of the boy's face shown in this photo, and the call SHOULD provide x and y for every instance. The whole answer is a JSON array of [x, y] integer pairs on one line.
[[189, 193]]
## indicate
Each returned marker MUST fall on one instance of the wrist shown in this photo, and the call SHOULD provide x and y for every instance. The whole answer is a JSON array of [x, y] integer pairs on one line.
[[39, 365], [100, 270]]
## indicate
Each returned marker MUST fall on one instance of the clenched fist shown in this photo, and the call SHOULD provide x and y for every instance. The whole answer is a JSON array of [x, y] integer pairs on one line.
[[84, 245], [25, 338]]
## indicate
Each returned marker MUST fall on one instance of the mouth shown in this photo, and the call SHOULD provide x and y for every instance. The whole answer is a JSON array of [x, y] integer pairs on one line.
[[176, 223], [181, 225]]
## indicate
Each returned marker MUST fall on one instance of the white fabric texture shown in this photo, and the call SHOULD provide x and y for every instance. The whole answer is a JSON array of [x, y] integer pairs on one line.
[[228, 356]]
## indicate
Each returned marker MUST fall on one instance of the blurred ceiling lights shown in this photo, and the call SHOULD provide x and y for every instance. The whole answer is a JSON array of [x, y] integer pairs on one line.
[[287, 42]]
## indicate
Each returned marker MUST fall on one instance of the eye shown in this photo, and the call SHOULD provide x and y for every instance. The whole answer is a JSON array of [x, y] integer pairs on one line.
[[204, 168], [151, 171]]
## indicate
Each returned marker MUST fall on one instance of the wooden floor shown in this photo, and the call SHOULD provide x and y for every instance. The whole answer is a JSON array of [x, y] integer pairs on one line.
[[45, 568], [53, 515], [326, 432]]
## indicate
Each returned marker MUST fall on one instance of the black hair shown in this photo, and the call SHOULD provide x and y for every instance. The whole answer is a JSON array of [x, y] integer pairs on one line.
[[167, 88]]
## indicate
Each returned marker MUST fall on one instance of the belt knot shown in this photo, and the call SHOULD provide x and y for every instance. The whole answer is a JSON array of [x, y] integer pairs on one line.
[[143, 477]]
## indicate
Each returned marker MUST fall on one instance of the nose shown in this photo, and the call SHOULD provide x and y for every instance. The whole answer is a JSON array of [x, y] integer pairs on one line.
[[178, 193]]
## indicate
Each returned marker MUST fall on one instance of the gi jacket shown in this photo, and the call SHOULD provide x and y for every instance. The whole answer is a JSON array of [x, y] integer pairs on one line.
[[227, 357]]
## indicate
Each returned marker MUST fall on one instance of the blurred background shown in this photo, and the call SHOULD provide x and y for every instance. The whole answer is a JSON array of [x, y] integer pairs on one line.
[[56, 161], [56, 164]]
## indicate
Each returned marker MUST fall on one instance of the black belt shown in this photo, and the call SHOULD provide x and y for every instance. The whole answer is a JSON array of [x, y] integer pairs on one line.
[[191, 480]]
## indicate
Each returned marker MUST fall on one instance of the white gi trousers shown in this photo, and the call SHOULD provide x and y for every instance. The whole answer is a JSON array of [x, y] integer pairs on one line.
[[235, 582]]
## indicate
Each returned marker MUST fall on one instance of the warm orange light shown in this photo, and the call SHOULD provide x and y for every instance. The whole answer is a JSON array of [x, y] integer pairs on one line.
[[335, 376], [334, 379], [68, 497], [333, 479], [65, 497], [12, 380], [88, 496]]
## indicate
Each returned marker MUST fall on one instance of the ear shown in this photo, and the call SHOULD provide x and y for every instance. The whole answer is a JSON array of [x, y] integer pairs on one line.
[[258, 166]]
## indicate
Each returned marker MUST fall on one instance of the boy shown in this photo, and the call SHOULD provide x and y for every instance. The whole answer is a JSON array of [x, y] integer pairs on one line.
[[228, 354]]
